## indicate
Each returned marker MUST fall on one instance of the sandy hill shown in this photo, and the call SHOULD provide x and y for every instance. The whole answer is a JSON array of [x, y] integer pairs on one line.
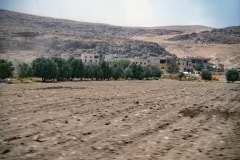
[[25, 37]]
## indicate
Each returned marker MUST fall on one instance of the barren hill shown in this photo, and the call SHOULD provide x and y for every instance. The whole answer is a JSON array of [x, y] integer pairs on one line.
[[229, 35], [24, 37]]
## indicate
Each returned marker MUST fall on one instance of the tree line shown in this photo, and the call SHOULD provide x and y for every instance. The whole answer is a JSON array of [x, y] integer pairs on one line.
[[60, 69]]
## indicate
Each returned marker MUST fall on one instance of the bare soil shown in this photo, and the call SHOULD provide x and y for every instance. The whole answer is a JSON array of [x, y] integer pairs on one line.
[[162, 119]]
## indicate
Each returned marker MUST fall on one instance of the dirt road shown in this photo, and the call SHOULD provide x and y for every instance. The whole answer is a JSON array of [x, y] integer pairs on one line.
[[90, 120]]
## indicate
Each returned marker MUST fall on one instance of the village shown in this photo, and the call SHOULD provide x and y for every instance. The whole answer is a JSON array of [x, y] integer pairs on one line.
[[167, 63]]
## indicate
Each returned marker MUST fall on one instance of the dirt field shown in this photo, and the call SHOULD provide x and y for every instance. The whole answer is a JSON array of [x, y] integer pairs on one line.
[[164, 119]]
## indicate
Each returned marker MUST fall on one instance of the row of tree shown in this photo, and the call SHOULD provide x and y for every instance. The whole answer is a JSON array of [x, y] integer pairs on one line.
[[60, 69]]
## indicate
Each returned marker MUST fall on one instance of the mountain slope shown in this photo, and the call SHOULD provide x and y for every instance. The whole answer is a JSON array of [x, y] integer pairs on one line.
[[24, 37], [229, 35]]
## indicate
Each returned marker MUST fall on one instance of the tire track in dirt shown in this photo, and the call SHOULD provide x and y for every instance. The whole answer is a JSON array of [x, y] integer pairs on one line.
[[119, 120]]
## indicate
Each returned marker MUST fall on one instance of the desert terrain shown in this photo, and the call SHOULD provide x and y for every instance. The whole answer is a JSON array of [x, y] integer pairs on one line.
[[159, 119]]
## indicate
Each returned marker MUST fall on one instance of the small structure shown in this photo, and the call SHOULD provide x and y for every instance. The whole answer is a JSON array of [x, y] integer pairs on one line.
[[163, 62], [110, 57], [90, 58], [187, 64]]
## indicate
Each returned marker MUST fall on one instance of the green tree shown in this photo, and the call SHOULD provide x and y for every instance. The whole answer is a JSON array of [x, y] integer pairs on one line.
[[156, 72], [6, 69], [77, 68], [117, 72], [181, 75], [24, 70], [206, 74], [137, 70], [147, 72], [88, 72], [124, 63], [128, 73], [106, 70], [44, 68], [173, 68], [64, 68], [232, 75], [99, 73], [198, 67], [93, 71]]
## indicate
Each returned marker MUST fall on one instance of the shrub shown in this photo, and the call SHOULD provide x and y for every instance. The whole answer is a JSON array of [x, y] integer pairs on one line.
[[156, 72], [147, 72], [77, 68], [232, 75], [117, 72], [181, 75], [206, 74], [137, 71], [44, 68], [6, 69], [24, 71], [64, 68], [128, 73], [198, 67]]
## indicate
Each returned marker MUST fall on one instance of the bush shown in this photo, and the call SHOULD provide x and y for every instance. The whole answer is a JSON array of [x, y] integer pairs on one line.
[[156, 72], [117, 72], [198, 67], [137, 71], [232, 75], [147, 72], [44, 68], [6, 69], [64, 68], [77, 68], [206, 74], [24, 70], [181, 75], [128, 73]]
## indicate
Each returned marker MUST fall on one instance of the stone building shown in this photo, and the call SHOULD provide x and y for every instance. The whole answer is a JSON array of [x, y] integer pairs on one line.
[[90, 58], [187, 64], [163, 62]]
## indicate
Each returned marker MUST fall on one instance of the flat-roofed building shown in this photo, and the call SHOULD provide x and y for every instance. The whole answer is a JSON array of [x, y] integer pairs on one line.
[[90, 58]]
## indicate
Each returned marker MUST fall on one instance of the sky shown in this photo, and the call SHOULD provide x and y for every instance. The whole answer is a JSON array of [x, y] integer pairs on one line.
[[144, 13]]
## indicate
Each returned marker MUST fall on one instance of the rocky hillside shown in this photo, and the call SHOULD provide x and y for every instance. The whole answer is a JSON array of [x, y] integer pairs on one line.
[[229, 35], [24, 37], [34, 36]]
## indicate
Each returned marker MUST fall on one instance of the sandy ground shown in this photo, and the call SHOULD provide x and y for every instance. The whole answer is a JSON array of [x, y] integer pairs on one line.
[[164, 119]]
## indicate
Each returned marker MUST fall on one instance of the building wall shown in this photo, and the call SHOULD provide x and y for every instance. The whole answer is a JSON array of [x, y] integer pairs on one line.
[[187, 64], [90, 58], [162, 62]]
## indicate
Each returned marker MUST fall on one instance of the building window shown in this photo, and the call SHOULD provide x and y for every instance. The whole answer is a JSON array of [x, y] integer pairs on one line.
[[162, 61], [90, 61]]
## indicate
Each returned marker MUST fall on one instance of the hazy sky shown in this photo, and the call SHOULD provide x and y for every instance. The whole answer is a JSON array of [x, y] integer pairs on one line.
[[213, 13]]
